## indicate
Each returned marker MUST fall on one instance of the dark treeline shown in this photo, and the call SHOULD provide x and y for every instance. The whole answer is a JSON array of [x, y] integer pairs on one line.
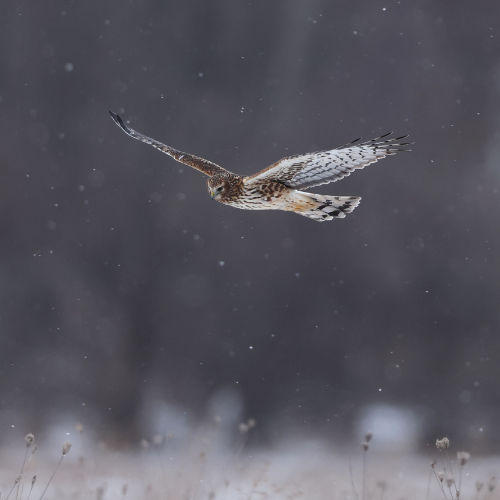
[[123, 283]]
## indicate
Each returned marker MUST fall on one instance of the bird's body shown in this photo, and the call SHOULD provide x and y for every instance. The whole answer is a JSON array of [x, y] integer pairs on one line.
[[276, 187], [254, 194]]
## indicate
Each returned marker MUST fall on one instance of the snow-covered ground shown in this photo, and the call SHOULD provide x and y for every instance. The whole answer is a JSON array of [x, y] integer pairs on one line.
[[207, 468]]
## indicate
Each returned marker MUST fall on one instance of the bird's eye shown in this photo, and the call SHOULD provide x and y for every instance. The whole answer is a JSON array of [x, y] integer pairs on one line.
[[219, 189]]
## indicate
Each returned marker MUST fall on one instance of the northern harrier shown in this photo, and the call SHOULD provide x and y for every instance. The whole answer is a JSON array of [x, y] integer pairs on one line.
[[276, 187]]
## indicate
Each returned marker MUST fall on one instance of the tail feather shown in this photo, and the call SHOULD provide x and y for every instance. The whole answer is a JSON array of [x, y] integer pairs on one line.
[[322, 208]]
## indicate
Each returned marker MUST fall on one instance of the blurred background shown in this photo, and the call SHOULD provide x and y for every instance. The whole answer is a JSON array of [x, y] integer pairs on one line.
[[133, 304]]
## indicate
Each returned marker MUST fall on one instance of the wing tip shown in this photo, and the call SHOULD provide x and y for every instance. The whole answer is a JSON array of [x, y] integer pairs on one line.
[[119, 121], [386, 134], [392, 144]]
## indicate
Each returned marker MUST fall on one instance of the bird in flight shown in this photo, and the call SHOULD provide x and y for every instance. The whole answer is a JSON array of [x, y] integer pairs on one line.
[[279, 186]]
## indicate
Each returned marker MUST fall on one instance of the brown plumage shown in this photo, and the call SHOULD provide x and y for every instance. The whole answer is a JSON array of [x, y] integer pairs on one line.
[[275, 187]]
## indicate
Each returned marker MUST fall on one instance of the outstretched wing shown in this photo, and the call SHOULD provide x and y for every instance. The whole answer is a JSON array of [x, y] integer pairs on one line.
[[314, 169], [205, 166]]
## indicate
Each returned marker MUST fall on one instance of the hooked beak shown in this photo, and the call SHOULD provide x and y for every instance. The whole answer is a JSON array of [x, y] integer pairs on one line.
[[212, 193]]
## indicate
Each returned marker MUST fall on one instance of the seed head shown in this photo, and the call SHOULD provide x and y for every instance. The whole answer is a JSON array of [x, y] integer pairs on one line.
[[29, 439], [479, 486], [463, 457], [66, 447], [443, 443], [368, 436], [450, 481], [365, 445], [33, 481], [441, 475]]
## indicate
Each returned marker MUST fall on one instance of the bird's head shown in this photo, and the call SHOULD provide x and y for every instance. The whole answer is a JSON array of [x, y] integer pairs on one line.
[[221, 186]]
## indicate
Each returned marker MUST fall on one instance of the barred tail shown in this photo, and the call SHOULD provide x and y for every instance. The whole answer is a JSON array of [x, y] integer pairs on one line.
[[321, 207]]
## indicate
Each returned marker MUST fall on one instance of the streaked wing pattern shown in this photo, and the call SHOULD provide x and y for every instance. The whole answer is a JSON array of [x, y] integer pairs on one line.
[[207, 167], [314, 169]]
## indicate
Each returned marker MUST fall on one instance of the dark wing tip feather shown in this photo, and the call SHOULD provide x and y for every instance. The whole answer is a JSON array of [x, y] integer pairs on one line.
[[385, 135], [118, 120]]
